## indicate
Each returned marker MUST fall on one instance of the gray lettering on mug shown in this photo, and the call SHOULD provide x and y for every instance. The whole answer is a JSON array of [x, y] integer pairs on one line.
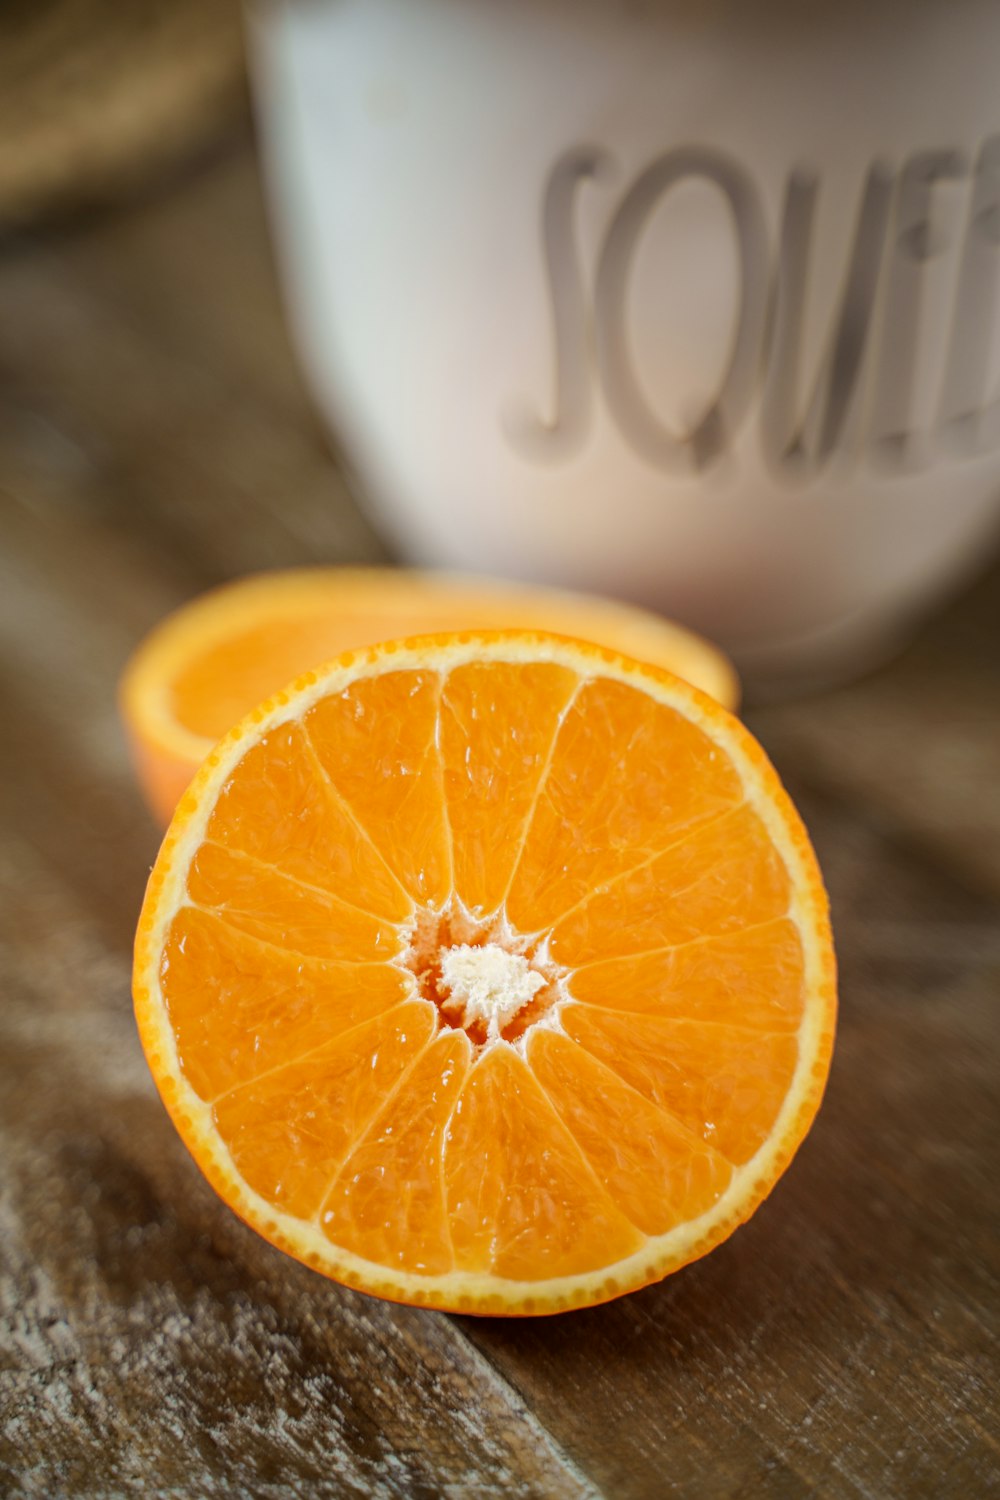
[[560, 435], [798, 441], [969, 419], [920, 236], [708, 437], [862, 396]]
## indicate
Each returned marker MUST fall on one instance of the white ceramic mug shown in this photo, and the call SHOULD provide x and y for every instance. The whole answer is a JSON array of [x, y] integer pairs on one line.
[[696, 302]]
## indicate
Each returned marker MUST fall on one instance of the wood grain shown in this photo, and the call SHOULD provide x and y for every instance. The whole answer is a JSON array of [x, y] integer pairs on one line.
[[100, 99], [154, 439]]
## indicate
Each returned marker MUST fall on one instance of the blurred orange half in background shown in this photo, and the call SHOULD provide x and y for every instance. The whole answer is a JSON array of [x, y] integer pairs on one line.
[[215, 659]]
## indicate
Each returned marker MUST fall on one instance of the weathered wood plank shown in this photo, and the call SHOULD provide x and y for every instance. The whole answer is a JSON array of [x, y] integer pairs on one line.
[[920, 738], [98, 99]]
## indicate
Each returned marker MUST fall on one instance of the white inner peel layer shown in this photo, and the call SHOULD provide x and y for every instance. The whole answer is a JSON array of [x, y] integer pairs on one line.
[[490, 983]]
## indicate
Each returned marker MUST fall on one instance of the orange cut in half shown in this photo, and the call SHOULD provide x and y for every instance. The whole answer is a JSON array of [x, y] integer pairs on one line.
[[488, 972], [216, 658]]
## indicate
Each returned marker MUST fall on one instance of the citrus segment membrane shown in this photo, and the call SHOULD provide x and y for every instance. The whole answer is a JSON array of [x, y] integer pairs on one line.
[[258, 899], [722, 877], [525, 1203], [291, 1129], [754, 977], [625, 777], [238, 1006], [488, 972], [724, 1084], [378, 746], [628, 1137], [282, 809], [500, 723], [388, 1202]]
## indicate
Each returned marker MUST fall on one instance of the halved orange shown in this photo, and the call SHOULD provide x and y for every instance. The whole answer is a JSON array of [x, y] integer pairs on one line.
[[489, 972], [216, 658]]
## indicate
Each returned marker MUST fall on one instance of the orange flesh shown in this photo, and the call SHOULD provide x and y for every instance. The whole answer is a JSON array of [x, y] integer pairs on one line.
[[217, 686], [587, 815]]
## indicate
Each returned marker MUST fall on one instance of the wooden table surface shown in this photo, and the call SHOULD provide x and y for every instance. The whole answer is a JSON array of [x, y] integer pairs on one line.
[[155, 439]]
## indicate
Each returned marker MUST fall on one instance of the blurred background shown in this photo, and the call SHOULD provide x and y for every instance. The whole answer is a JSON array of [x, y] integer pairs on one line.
[[159, 434]]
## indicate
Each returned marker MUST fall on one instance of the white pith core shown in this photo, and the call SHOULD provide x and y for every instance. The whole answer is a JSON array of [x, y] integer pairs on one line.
[[491, 984], [483, 976]]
